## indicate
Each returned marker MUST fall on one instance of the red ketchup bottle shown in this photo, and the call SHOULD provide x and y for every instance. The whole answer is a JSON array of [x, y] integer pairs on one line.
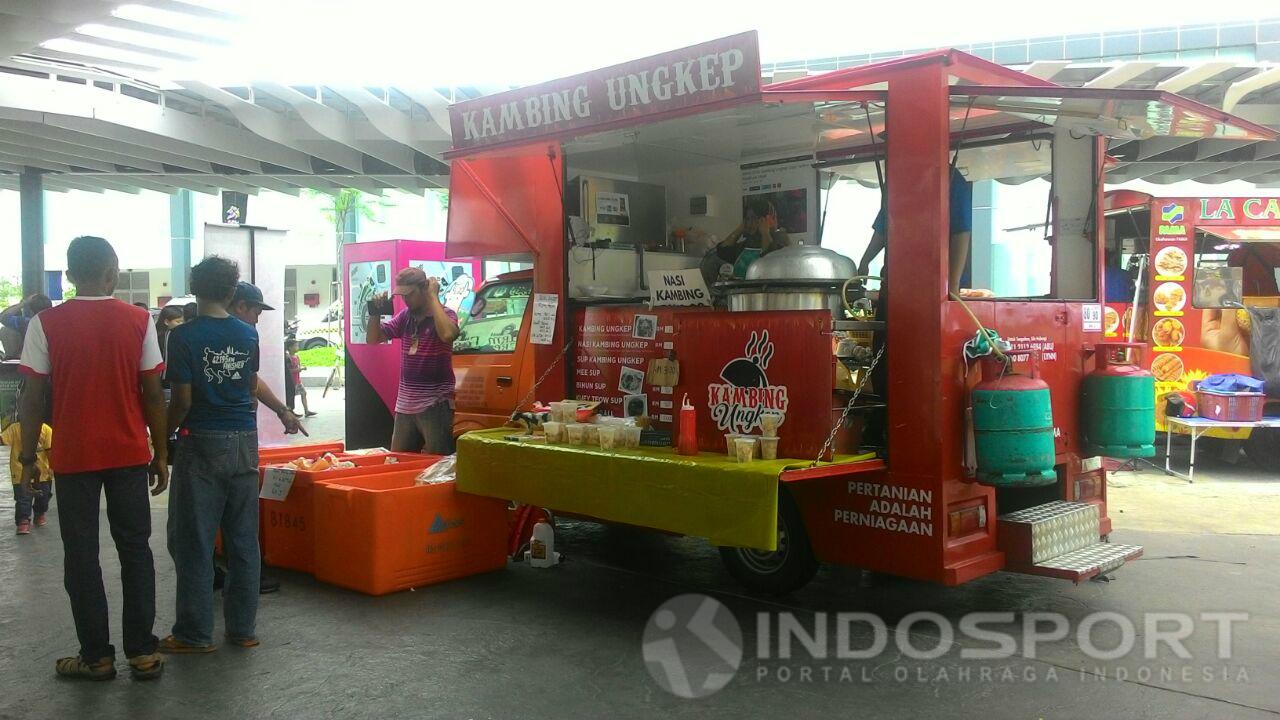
[[688, 442]]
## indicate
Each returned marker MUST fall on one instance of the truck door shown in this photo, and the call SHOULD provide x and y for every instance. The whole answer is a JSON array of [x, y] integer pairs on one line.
[[489, 356]]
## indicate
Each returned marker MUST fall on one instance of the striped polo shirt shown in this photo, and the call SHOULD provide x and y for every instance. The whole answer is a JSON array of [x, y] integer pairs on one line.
[[426, 362]]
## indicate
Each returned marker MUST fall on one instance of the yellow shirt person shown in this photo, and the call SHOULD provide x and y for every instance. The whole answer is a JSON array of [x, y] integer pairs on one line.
[[12, 436]]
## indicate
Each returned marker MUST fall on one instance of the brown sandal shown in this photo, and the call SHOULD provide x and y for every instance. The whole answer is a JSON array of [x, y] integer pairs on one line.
[[146, 667], [76, 667], [249, 642], [173, 646]]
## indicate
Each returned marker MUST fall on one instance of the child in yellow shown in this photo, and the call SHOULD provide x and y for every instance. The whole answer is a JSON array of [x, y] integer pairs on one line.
[[24, 501]]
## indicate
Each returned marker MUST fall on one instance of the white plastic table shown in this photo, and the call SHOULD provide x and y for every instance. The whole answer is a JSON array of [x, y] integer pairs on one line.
[[1199, 426]]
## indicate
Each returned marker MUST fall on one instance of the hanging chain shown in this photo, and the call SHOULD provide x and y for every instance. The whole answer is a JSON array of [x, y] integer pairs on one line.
[[848, 408], [544, 375]]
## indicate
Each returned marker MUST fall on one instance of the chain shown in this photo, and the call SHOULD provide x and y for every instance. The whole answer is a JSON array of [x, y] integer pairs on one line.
[[544, 375], [831, 439]]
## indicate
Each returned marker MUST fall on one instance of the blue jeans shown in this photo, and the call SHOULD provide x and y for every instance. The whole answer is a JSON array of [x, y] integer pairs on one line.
[[215, 485], [25, 503]]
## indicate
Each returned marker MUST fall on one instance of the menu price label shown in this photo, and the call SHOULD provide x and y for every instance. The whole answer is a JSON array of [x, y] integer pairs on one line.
[[544, 318], [1091, 317], [276, 483]]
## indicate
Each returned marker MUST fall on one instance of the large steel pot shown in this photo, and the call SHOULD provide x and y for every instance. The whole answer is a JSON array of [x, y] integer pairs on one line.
[[800, 277]]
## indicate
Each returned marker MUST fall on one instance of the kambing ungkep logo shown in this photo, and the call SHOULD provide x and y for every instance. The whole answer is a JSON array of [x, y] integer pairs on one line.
[[738, 402]]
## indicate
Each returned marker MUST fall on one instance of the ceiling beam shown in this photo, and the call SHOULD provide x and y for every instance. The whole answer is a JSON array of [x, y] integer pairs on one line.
[[1260, 80], [1046, 69], [336, 126], [174, 33], [276, 127], [1121, 74], [22, 149], [1192, 76], [8, 134], [393, 124], [146, 153]]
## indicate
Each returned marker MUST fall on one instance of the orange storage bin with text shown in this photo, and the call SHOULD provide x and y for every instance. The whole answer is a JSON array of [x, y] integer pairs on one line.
[[286, 529], [383, 533]]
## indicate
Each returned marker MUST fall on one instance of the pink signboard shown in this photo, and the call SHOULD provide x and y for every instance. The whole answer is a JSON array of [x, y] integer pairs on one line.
[[709, 72]]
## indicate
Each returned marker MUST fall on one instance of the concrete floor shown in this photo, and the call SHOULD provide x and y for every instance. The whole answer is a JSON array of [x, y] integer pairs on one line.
[[566, 642]]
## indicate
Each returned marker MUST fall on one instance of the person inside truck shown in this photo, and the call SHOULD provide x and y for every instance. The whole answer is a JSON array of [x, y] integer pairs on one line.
[[1259, 261], [756, 236]]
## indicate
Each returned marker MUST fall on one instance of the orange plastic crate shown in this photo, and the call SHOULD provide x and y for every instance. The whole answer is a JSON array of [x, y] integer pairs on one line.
[[380, 534], [285, 527]]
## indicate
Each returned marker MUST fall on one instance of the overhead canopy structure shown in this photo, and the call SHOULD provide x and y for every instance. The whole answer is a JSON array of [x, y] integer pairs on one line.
[[88, 96]]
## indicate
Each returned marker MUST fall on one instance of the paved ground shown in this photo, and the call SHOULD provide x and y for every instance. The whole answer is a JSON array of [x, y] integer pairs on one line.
[[566, 642]]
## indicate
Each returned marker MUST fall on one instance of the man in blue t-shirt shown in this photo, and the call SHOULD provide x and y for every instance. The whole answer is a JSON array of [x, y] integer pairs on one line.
[[213, 371], [961, 229]]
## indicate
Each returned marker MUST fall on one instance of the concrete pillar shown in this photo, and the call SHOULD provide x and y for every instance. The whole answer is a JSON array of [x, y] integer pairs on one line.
[[351, 226], [182, 229], [31, 212], [984, 217]]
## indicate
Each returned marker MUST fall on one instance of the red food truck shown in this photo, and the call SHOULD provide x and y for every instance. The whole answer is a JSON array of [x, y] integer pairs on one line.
[[1197, 261], [597, 179]]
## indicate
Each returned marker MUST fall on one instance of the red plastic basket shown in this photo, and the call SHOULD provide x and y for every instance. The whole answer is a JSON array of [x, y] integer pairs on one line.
[[1230, 407]]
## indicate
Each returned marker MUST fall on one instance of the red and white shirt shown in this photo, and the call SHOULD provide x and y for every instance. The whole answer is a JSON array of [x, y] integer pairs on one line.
[[95, 350]]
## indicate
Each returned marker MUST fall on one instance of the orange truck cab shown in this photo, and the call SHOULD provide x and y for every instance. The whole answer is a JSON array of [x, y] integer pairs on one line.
[[491, 361]]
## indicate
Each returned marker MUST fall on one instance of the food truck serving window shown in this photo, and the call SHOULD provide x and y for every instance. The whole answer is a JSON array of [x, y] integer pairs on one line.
[[493, 325]]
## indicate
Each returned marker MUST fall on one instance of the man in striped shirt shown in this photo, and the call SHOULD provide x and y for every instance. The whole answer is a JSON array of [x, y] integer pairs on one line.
[[426, 329]]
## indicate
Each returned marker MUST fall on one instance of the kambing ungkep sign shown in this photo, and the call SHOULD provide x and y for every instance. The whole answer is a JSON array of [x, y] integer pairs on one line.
[[709, 72]]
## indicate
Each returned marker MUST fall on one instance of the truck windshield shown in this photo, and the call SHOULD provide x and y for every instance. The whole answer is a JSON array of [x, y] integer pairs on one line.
[[494, 323]]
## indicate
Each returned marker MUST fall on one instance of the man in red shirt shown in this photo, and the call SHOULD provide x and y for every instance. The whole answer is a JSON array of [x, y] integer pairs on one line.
[[101, 358]]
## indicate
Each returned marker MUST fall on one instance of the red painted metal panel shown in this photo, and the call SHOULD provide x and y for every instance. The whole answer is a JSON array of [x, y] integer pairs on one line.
[[960, 64], [736, 366]]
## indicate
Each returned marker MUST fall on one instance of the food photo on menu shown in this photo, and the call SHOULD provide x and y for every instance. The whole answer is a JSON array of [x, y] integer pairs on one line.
[[1170, 297], [1171, 262]]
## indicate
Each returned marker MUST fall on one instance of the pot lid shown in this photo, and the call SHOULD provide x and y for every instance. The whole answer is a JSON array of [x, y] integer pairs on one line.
[[802, 262]]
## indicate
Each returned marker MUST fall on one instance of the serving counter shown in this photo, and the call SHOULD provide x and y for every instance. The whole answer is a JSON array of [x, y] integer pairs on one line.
[[705, 495]]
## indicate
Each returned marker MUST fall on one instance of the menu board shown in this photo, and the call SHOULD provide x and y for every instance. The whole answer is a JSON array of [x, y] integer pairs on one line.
[[612, 356]]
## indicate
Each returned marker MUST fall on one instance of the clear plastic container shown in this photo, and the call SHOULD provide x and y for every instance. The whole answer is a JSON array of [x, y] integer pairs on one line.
[[769, 423], [576, 433], [592, 436], [608, 435], [745, 449], [554, 430], [768, 448], [632, 433]]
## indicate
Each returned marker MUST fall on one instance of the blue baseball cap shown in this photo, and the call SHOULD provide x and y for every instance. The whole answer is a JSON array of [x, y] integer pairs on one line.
[[250, 294]]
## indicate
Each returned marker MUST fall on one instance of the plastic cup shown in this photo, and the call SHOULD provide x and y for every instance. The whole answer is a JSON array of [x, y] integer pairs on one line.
[[769, 423], [554, 430], [768, 448], [730, 443], [569, 411], [576, 432], [592, 436], [608, 435], [745, 449], [632, 433]]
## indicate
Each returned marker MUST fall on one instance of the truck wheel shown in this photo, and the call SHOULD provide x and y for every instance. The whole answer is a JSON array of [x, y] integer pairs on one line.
[[1263, 447], [315, 342], [781, 571]]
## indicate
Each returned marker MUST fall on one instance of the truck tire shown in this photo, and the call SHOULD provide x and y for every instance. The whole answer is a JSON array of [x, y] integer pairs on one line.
[[1263, 447], [315, 342], [781, 571]]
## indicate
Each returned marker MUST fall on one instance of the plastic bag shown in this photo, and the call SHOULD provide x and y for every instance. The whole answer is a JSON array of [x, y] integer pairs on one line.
[[442, 472]]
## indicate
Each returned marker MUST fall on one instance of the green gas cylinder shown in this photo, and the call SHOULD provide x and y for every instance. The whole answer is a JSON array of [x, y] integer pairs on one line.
[[1118, 404], [1013, 428]]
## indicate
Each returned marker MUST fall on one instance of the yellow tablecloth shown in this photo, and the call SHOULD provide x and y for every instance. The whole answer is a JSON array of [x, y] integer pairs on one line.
[[706, 495]]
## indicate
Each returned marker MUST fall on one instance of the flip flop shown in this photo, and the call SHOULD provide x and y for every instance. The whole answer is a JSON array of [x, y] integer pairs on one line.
[[173, 646]]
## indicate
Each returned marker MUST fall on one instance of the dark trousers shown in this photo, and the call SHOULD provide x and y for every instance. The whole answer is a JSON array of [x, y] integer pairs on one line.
[[129, 513], [25, 504]]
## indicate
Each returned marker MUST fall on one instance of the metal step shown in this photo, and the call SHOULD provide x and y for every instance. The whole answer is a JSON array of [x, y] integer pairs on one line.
[[1047, 531], [1084, 563]]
